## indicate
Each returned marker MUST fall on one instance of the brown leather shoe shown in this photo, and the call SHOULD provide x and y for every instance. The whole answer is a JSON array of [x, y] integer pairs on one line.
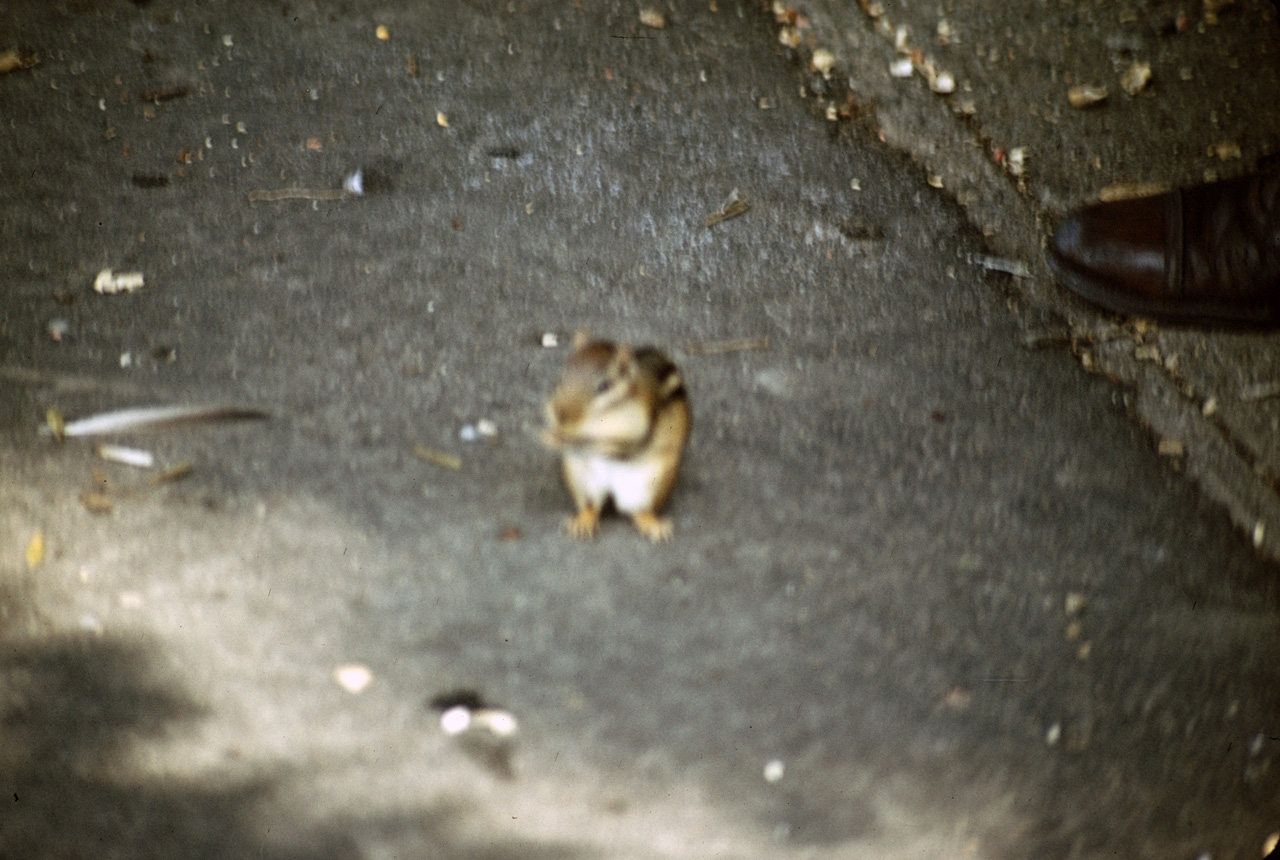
[[1205, 254]]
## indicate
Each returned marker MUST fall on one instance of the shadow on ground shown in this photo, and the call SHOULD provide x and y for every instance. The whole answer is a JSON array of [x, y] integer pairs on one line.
[[73, 711]]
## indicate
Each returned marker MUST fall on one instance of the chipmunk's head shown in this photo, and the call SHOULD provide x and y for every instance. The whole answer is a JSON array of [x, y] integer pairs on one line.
[[602, 402]]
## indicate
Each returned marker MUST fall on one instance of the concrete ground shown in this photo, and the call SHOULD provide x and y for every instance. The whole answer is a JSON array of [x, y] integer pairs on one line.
[[936, 588]]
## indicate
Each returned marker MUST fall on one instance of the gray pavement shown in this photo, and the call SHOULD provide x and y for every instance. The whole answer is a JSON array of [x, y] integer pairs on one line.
[[934, 591]]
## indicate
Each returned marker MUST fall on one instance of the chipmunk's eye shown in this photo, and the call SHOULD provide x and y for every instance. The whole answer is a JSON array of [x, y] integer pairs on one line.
[[603, 386]]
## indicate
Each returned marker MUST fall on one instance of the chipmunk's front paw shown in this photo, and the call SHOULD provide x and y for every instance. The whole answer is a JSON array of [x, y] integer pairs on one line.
[[655, 528], [584, 526]]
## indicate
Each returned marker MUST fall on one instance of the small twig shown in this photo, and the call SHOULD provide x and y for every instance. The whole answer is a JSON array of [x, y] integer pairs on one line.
[[1017, 268], [732, 208], [439, 458], [278, 194], [1260, 391], [719, 347]]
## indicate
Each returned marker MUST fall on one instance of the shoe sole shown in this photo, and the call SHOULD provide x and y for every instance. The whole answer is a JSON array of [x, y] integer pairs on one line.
[[1185, 312]]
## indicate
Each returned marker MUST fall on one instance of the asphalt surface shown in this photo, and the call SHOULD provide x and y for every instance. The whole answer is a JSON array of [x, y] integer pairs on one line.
[[936, 588]]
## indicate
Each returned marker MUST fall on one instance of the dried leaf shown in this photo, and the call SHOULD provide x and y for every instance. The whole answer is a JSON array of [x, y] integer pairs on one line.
[[12, 60], [1225, 150], [55, 424], [96, 502], [732, 208], [35, 550]]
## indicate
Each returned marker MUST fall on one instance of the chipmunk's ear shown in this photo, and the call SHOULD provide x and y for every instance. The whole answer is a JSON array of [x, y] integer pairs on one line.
[[581, 338], [623, 359]]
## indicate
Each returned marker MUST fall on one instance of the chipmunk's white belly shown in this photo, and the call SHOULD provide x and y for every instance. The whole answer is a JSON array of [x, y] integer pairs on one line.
[[631, 483]]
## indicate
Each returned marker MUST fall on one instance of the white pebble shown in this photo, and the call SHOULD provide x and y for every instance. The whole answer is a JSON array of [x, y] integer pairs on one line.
[[774, 770], [498, 721], [353, 677], [1054, 734], [354, 183], [901, 68], [456, 720]]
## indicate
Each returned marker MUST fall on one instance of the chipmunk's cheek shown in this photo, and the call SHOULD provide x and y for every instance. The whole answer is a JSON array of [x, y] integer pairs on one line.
[[623, 424]]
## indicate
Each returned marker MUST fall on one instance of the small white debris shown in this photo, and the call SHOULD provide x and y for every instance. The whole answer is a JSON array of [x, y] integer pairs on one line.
[[354, 183], [126, 359], [442, 119], [1017, 161], [855, 184], [822, 62], [227, 41], [353, 677], [468, 433], [129, 456], [774, 770], [1257, 743], [1086, 95], [943, 83], [550, 339], [58, 329], [455, 720], [495, 720], [1075, 603], [1259, 533], [1054, 734], [487, 428], [1135, 78], [902, 39], [901, 68], [108, 283], [651, 17]]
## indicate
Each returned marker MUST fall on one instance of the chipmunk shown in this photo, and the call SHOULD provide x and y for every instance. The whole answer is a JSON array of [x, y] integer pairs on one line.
[[620, 417]]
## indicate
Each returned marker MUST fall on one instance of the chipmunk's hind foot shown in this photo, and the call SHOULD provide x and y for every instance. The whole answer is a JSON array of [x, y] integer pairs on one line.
[[655, 528]]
